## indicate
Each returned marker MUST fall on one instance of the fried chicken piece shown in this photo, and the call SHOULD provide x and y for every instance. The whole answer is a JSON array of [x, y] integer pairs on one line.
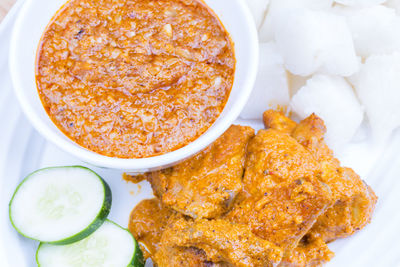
[[172, 256], [278, 121], [282, 195], [311, 251], [147, 223], [352, 211], [205, 185], [354, 199], [223, 242]]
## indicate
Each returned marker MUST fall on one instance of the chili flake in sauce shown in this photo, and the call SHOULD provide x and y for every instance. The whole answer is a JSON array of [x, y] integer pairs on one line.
[[135, 78]]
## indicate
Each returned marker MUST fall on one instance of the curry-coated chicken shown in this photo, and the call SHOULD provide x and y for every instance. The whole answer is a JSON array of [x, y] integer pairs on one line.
[[222, 242], [205, 185], [147, 223], [282, 195], [171, 239], [148, 220], [311, 251], [271, 199], [173, 256], [354, 199]]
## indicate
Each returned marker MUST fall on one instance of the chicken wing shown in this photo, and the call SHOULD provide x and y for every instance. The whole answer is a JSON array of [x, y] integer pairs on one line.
[[205, 185], [282, 195]]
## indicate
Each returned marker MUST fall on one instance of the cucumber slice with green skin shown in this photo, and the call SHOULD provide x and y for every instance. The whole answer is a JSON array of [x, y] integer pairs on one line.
[[110, 246], [60, 205]]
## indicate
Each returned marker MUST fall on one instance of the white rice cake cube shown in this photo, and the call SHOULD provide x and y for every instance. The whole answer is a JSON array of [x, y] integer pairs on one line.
[[333, 99], [315, 41], [266, 31], [394, 4], [375, 30], [378, 88], [259, 9], [271, 87]]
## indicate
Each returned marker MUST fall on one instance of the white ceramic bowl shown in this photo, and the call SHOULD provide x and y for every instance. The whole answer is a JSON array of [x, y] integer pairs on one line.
[[31, 23]]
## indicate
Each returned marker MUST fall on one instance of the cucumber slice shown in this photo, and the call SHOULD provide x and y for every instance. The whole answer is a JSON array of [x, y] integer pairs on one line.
[[110, 246], [60, 205]]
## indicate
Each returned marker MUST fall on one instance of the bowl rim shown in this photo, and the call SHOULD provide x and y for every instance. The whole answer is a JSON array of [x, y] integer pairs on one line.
[[137, 164]]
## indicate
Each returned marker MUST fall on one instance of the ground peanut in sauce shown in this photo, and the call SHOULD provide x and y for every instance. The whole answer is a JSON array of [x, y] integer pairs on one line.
[[135, 78]]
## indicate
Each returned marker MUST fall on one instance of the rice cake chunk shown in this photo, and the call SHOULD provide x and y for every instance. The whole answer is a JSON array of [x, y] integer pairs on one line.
[[282, 195], [205, 185]]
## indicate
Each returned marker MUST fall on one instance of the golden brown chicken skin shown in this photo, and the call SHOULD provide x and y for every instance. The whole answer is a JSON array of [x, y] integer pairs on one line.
[[282, 195], [221, 241], [205, 185]]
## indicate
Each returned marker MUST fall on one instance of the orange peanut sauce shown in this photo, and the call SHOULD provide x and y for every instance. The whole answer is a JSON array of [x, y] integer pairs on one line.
[[137, 78]]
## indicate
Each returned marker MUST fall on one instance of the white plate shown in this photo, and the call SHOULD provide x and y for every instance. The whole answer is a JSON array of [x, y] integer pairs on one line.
[[23, 150]]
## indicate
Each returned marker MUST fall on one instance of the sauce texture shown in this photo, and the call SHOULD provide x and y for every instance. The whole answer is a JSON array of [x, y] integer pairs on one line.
[[135, 78]]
